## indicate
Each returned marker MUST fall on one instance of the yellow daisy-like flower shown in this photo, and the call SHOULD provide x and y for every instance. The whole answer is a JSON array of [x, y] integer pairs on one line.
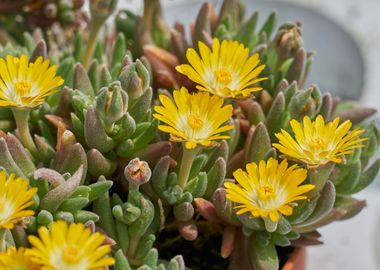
[[268, 190], [24, 84], [17, 260], [316, 143], [226, 71], [15, 197], [69, 247], [193, 118]]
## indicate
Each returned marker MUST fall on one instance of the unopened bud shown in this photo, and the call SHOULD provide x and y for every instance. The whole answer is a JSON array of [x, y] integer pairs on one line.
[[111, 104], [137, 172], [288, 40], [305, 103], [102, 9], [135, 79]]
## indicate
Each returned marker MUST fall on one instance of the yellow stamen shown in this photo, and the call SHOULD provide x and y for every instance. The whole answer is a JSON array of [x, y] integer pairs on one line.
[[317, 143], [195, 122], [22, 88], [71, 255], [266, 192], [223, 75]]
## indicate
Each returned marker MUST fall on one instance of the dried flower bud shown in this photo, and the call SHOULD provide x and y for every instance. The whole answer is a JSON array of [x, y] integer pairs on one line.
[[137, 172]]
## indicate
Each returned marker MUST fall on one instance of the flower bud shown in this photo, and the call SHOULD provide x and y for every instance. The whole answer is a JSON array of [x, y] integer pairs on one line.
[[137, 172], [135, 79], [305, 103], [111, 104], [102, 9], [288, 40]]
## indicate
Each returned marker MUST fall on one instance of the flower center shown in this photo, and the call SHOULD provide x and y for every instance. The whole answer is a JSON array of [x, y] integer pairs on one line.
[[71, 255], [266, 192], [195, 122], [223, 75], [317, 143], [23, 88]]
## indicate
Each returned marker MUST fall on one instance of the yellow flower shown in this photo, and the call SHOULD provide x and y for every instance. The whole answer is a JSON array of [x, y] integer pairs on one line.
[[193, 118], [269, 189], [317, 143], [24, 84], [15, 197], [17, 260], [69, 247], [227, 71]]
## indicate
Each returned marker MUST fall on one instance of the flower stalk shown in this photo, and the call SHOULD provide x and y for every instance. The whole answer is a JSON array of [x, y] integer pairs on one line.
[[188, 156], [2, 240], [21, 117], [94, 32]]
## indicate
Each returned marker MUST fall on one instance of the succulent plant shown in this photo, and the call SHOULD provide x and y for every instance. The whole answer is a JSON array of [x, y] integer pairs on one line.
[[149, 167]]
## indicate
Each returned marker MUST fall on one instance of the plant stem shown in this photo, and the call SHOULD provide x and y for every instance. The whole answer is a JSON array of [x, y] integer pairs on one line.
[[188, 156], [133, 244], [133, 186], [2, 240], [21, 117], [94, 31], [319, 176]]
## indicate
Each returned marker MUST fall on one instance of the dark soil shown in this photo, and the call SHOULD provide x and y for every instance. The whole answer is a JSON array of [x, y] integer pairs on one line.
[[203, 253]]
